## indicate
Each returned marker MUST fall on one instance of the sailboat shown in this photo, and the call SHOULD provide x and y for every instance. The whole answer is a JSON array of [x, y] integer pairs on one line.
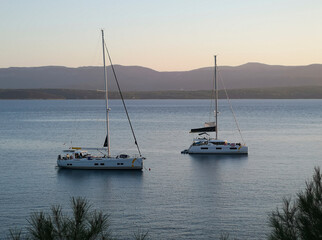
[[81, 158], [204, 143]]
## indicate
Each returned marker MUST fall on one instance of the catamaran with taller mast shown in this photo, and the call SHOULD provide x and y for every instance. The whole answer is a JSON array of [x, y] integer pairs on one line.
[[204, 143], [81, 158]]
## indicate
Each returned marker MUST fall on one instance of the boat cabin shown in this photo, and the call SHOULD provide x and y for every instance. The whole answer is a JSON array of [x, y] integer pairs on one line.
[[205, 141], [73, 154], [218, 142]]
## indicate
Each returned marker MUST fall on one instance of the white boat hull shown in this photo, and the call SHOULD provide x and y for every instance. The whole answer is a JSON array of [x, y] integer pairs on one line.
[[102, 163], [219, 149]]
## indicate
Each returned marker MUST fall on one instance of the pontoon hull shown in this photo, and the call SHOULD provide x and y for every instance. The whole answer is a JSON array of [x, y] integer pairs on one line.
[[212, 149], [102, 163]]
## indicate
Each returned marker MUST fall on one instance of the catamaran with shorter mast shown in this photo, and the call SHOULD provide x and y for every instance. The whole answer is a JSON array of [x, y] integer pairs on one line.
[[204, 143], [80, 158]]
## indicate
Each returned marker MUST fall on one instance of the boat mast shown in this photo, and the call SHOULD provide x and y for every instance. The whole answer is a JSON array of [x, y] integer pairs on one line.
[[106, 98], [216, 98]]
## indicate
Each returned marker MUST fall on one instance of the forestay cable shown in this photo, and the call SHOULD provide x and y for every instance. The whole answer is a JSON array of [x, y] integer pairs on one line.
[[119, 89], [231, 107]]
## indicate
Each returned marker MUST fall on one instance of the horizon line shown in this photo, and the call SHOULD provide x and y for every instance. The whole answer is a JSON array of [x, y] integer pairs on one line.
[[85, 66]]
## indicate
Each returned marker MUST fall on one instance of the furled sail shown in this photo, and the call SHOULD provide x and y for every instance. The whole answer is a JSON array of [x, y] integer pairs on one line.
[[203, 129]]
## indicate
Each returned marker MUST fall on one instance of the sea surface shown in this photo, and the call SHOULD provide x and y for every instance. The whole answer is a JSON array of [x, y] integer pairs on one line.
[[176, 196]]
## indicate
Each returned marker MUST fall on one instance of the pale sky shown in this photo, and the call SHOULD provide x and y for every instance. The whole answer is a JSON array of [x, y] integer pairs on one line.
[[165, 35]]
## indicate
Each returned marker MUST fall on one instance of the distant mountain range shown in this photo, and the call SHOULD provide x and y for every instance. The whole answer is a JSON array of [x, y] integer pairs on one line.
[[135, 78]]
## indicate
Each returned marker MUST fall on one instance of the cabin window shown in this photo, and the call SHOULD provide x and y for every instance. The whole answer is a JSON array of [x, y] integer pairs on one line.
[[218, 143], [102, 163], [219, 148], [199, 143], [120, 163], [233, 148], [95, 163], [204, 148]]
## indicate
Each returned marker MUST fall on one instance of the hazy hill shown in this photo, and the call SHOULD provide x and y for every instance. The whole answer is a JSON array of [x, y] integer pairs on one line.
[[135, 78]]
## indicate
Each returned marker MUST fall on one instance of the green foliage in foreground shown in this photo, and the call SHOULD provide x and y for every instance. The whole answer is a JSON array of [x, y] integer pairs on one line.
[[300, 219], [84, 224]]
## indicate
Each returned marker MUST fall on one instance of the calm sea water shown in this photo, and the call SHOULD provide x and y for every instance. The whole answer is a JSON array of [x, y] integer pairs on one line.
[[182, 196]]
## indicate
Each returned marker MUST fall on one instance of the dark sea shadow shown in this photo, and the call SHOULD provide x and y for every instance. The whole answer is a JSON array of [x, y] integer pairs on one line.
[[91, 183], [79, 175], [207, 160], [214, 169]]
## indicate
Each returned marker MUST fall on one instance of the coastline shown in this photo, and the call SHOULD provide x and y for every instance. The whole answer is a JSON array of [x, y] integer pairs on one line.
[[304, 92]]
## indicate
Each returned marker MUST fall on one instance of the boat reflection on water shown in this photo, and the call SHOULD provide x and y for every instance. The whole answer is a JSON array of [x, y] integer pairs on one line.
[[215, 161], [214, 166], [98, 175]]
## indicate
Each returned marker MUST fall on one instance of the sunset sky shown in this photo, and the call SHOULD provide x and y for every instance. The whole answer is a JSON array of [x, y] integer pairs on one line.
[[165, 35]]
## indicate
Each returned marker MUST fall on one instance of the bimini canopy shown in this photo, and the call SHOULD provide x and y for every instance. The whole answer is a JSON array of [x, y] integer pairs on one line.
[[203, 129]]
